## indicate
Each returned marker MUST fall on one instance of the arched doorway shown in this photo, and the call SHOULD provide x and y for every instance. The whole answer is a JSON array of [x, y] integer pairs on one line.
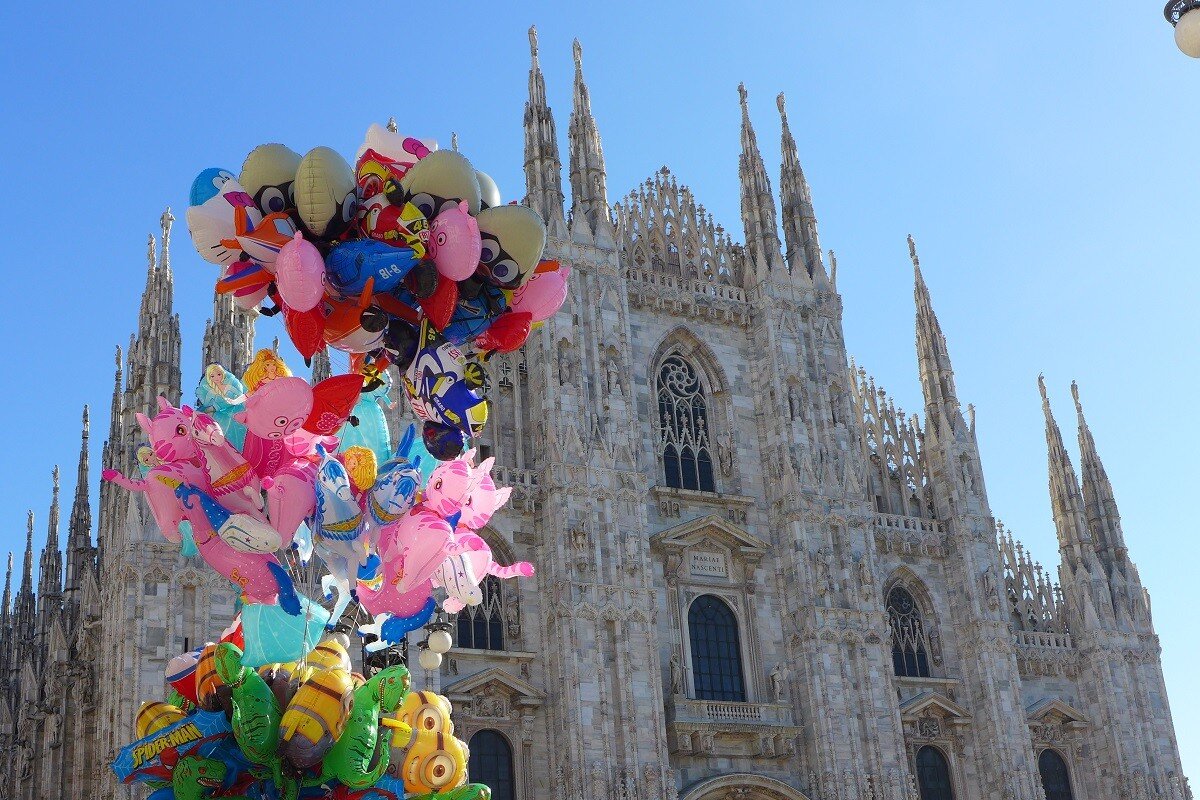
[[1056, 780], [491, 763], [716, 650], [933, 775], [756, 787]]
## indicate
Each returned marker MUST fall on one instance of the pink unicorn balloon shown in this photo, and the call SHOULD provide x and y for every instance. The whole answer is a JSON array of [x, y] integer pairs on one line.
[[232, 479], [461, 574], [454, 245]]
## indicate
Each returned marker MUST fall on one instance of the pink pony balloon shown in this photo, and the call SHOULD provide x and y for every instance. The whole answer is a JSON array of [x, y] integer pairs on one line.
[[460, 574], [454, 244], [232, 479], [300, 274], [451, 484], [545, 293]]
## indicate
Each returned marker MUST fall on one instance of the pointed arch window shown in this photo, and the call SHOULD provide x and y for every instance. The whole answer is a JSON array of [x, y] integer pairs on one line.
[[716, 650], [482, 626], [491, 763], [933, 775], [910, 641], [683, 427], [1056, 781]]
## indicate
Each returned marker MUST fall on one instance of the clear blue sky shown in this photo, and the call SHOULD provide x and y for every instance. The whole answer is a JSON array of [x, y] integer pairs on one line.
[[1042, 154]]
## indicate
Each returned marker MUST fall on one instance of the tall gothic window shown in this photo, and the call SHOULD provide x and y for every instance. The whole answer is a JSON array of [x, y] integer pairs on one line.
[[716, 650], [482, 626], [491, 763], [1056, 783], [933, 775], [683, 427], [910, 645]]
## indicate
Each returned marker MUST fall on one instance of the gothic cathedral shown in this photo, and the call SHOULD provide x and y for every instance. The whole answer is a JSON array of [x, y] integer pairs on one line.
[[757, 579]]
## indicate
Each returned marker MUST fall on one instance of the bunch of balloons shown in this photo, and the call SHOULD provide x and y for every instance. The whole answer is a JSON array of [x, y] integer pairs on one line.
[[409, 258], [312, 728]]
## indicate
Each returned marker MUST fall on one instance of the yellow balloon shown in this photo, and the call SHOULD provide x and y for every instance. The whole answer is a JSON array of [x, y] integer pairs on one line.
[[155, 715], [426, 712], [316, 715], [434, 761]]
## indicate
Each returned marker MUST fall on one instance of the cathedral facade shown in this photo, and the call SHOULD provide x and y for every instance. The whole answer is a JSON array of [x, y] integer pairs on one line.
[[757, 579]]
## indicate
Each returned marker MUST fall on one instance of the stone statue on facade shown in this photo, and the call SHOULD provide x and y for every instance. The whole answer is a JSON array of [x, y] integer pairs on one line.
[[777, 676], [676, 675]]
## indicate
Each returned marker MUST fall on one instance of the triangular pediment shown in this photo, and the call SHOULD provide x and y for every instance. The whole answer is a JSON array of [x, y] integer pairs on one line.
[[712, 528], [524, 692], [935, 703], [1051, 709]]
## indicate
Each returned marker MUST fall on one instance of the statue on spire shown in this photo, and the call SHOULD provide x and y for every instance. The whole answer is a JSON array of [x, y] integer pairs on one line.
[[742, 94], [577, 53], [454, 141], [151, 246], [533, 41], [166, 220], [912, 252], [779, 103], [391, 125]]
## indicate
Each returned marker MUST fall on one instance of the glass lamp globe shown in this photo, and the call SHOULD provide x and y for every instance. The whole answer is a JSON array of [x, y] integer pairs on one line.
[[1187, 33], [430, 660], [440, 641]]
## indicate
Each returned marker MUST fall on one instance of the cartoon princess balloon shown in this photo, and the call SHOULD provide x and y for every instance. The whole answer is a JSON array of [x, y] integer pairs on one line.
[[221, 395], [266, 367]]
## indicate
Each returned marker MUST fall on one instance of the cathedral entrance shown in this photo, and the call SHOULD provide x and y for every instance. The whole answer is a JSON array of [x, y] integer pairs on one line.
[[742, 786]]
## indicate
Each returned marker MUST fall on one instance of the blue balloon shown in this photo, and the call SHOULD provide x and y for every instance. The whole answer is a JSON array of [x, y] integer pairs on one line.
[[274, 636], [474, 315], [371, 431], [207, 184], [350, 264]]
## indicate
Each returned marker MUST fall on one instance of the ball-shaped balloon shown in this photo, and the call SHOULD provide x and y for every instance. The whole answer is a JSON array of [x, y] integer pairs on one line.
[[489, 192], [300, 274], [512, 238], [324, 189], [440, 180], [442, 441]]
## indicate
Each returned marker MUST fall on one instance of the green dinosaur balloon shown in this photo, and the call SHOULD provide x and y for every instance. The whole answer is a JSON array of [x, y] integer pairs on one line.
[[471, 791], [196, 777], [360, 756], [256, 712]]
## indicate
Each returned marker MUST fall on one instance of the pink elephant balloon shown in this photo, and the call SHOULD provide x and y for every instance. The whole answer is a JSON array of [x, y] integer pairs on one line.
[[454, 244], [545, 292], [300, 274]]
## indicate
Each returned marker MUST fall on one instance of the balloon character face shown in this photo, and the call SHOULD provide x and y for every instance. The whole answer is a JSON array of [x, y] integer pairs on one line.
[[170, 433], [484, 500], [454, 243], [208, 184], [277, 409], [435, 761], [439, 181], [268, 174], [395, 491], [264, 242], [545, 292], [428, 712], [451, 484], [338, 514], [513, 238], [212, 224], [325, 196]]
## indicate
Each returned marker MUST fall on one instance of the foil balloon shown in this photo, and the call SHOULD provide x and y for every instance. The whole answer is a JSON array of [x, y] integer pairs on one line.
[[266, 367], [242, 532], [268, 174], [443, 442], [212, 223], [306, 329], [277, 409], [316, 716], [440, 181], [208, 184], [154, 715], [489, 192], [248, 281], [395, 489], [513, 238], [221, 395], [256, 713], [479, 305], [398, 148], [361, 755], [443, 385], [181, 674], [352, 264], [300, 274], [545, 292], [436, 763], [368, 426], [264, 240], [506, 333], [333, 399], [324, 190]]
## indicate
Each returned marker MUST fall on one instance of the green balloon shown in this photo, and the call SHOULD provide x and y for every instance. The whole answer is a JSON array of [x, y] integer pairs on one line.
[[360, 756], [256, 712]]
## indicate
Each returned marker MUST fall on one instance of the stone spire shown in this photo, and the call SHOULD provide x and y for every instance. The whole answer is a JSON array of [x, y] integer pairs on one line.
[[1100, 506], [25, 607], [229, 335], [758, 204], [799, 219], [933, 359], [50, 573], [321, 368], [543, 167], [79, 528], [112, 456], [6, 607], [154, 353], [589, 193]]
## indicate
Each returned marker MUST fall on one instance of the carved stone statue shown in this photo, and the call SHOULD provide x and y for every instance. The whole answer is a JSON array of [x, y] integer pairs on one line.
[[824, 570], [793, 402], [725, 453], [613, 376], [778, 676], [676, 675]]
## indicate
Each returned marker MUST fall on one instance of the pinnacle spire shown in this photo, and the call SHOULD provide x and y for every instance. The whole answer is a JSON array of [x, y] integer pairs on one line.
[[1100, 505], [933, 358], [6, 602], [321, 368], [796, 206], [166, 221], [229, 335], [1065, 501], [154, 352], [27, 565], [543, 168], [589, 193], [79, 528], [50, 573], [758, 204]]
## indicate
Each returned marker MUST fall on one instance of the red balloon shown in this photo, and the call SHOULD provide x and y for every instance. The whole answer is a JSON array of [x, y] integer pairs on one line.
[[507, 333], [305, 328], [439, 306], [333, 400]]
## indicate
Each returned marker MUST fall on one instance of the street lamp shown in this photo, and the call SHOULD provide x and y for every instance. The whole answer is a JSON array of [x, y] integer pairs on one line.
[[1185, 16]]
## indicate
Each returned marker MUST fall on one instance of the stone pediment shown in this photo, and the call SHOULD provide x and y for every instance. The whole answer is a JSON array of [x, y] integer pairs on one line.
[[495, 680], [933, 704], [712, 528], [1051, 710]]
